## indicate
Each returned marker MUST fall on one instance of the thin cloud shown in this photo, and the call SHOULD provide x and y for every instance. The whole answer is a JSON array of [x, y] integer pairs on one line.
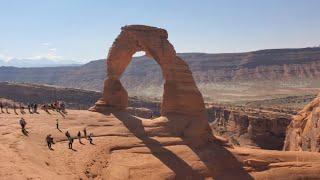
[[46, 44], [5, 57], [51, 55]]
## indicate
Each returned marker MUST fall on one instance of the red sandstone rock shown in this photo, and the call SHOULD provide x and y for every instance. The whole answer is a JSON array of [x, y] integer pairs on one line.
[[303, 133], [182, 109], [259, 128]]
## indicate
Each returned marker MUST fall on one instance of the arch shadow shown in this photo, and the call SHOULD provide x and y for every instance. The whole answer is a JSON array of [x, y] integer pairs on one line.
[[220, 162]]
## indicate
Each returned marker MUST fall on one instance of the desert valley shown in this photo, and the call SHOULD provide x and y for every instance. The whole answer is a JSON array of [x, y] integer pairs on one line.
[[243, 122]]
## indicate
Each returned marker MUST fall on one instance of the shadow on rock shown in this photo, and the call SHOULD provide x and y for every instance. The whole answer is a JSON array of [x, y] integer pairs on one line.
[[220, 162]]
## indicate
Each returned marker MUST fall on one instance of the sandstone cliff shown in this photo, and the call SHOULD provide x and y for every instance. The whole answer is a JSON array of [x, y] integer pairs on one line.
[[257, 128], [303, 133]]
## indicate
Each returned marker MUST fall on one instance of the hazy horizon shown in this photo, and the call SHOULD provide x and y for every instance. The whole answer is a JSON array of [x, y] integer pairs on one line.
[[81, 31]]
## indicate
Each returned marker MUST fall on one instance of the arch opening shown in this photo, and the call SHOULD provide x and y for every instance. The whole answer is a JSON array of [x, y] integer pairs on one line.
[[143, 78], [144, 82]]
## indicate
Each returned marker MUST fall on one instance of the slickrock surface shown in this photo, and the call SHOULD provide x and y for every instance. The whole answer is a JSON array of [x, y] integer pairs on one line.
[[182, 109], [303, 133], [126, 148]]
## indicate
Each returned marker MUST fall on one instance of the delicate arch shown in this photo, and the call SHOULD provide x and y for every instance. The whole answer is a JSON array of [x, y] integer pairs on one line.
[[181, 96]]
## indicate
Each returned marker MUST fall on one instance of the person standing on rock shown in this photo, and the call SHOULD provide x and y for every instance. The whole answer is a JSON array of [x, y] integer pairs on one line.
[[57, 124], [70, 142], [79, 137], [70, 139], [35, 108], [68, 135], [1, 107], [21, 108], [49, 140], [23, 124], [29, 108], [63, 107], [15, 108], [85, 132], [90, 138], [6, 106]]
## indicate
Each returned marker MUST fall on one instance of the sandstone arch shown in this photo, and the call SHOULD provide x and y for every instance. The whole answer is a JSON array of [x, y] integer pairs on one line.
[[182, 109]]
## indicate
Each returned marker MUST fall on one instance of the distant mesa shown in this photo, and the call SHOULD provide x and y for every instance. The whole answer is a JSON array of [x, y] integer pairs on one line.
[[182, 110]]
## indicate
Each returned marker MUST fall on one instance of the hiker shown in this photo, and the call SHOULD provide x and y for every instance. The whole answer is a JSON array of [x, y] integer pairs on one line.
[[56, 103], [58, 106], [90, 138], [1, 107], [51, 106], [29, 108], [45, 108], [57, 123], [15, 108], [35, 108], [85, 132], [68, 135], [79, 137], [23, 124], [70, 142], [49, 140], [63, 107], [6, 106], [21, 108]]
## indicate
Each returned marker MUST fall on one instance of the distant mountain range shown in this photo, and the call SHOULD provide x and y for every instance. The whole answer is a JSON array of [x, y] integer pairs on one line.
[[225, 73], [43, 62]]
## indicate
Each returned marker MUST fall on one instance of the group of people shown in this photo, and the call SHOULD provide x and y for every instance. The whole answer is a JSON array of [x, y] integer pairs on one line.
[[32, 107], [58, 106], [49, 138], [79, 136]]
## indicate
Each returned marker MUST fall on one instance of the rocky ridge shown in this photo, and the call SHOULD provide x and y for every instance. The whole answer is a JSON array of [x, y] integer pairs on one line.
[[250, 127], [275, 69]]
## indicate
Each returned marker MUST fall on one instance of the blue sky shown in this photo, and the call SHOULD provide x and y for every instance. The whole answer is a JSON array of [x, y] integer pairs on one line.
[[83, 30]]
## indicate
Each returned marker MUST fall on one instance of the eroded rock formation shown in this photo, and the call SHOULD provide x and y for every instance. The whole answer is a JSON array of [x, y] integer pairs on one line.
[[303, 133], [259, 128], [182, 110]]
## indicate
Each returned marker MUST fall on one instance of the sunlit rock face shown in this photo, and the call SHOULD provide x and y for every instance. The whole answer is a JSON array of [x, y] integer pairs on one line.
[[250, 127], [303, 133], [182, 111]]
